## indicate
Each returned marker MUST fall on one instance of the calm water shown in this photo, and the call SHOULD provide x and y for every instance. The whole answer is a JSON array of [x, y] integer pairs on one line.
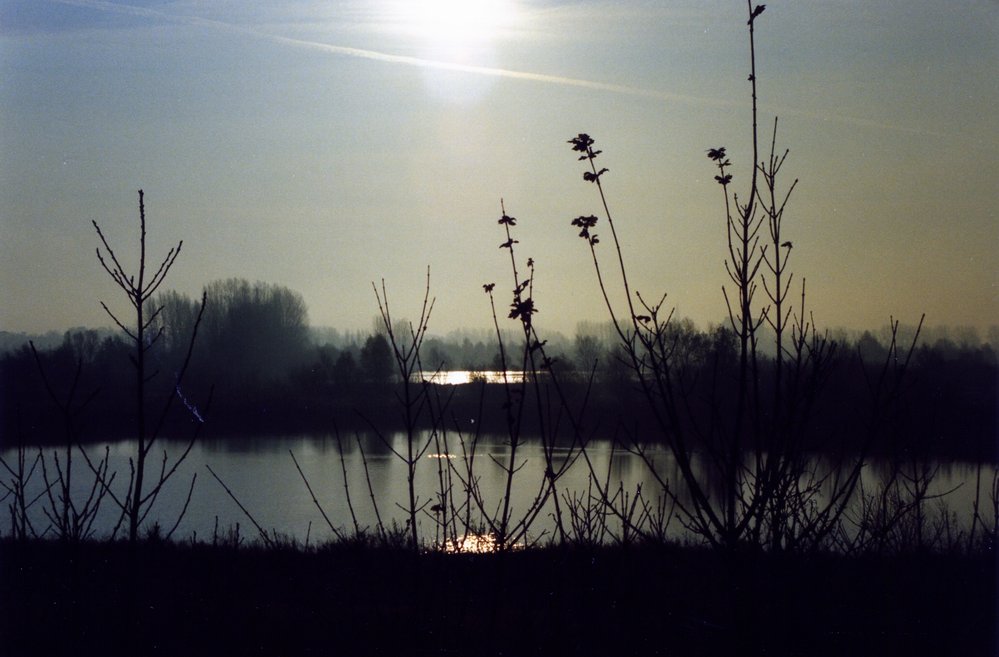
[[261, 473]]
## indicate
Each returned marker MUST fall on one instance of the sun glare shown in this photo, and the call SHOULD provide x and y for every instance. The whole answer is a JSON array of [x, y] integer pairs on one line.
[[457, 32], [457, 21]]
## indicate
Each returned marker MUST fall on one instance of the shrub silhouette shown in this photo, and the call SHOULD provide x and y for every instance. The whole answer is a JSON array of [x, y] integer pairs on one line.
[[743, 475]]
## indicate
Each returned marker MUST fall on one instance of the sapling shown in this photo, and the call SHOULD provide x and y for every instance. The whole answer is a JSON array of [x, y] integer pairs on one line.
[[143, 334]]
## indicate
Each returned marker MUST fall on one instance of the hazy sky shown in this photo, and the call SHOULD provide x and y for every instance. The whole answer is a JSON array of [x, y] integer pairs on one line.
[[326, 145]]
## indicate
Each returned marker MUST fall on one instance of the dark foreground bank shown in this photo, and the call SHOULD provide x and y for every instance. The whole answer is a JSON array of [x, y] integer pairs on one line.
[[168, 599]]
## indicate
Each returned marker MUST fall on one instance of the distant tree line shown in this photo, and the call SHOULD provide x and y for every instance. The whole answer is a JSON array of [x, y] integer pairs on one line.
[[271, 372]]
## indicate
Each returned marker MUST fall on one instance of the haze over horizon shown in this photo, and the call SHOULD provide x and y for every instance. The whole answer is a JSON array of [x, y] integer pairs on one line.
[[323, 146]]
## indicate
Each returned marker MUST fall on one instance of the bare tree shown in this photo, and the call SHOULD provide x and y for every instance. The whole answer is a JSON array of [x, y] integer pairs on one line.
[[414, 398], [139, 287]]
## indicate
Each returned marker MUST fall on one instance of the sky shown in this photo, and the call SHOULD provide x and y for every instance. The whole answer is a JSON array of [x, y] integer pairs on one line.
[[326, 146]]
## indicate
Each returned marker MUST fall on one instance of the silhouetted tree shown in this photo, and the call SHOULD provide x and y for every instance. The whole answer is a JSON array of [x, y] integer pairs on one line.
[[588, 352], [345, 372], [176, 319], [870, 349], [377, 362], [257, 329], [143, 334]]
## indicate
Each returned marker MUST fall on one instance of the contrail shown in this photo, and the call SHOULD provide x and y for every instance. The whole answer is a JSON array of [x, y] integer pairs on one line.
[[361, 53], [489, 71]]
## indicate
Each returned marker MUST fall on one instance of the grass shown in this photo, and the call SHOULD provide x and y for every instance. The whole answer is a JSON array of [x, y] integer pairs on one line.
[[356, 600]]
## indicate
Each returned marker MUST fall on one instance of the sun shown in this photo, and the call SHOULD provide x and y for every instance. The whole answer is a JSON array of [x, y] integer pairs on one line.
[[448, 33], [447, 22]]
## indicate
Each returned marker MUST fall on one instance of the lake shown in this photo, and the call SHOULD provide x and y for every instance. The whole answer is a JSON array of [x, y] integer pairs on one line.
[[261, 473]]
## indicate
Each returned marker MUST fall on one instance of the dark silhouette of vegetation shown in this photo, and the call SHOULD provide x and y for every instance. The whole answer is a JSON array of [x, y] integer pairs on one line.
[[257, 331], [529, 404], [71, 517], [752, 431], [403, 351], [949, 399], [376, 360], [234, 598], [143, 334]]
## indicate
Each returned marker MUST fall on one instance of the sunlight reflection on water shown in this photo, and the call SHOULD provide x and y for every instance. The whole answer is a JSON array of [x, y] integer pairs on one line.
[[462, 377], [473, 543]]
